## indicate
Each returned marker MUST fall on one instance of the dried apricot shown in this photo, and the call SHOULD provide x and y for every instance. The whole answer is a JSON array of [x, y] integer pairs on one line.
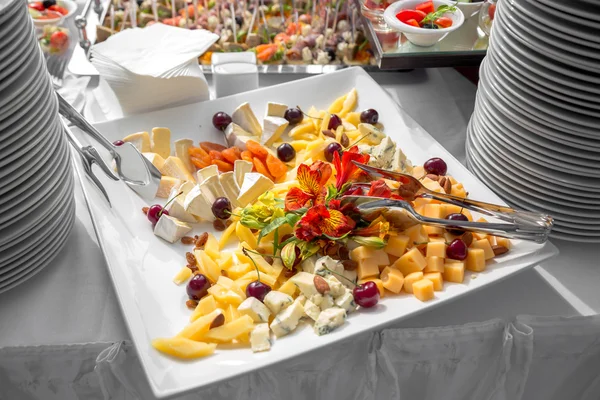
[[260, 167], [246, 155], [229, 155], [208, 146], [197, 152], [257, 150], [276, 167], [199, 163], [223, 166], [216, 155]]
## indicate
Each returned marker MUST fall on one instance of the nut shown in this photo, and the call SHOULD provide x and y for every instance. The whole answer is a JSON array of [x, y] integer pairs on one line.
[[321, 284], [269, 259], [228, 222], [329, 133], [191, 304], [188, 240], [349, 265], [499, 250], [190, 258], [218, 321], [467, 237], [145, 210], [433, 177], [201, 240], [344, 140], [219, 225], [447, 186]]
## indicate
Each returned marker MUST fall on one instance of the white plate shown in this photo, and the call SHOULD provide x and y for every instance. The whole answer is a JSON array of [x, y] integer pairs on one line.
[[15, 89], [578, 13], [142, 266], [11, 31], [13, 68], [37, 89], [11, 11]]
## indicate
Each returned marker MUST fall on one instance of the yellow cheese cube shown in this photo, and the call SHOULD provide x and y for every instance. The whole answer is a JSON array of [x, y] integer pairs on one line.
[[245, 235], [492, 240], [500, 241], [183, 348], [225, 261], [421, 202], [231, 330], [377, 282], [458, 190], [475, 260], [174, 167], [252, 276], [448, 209], [392, 279], [436, 278], [485, 245], [205, 306], [212, 247], [227, 234], [433, 211], [432, 185], [433, 230], [200, 326], [423, 289], [288, 288], [376, 256], [454, 272], [161, 142], [167, 183], [410, 279], [156, 160], [141, 140], [412, 261], [434, 264], [207, 266], [436, 249], [231, 285], [353, 118], [237, 271], [231, 313], [367, 268], [417, 234], [183, 275], [396, 245]]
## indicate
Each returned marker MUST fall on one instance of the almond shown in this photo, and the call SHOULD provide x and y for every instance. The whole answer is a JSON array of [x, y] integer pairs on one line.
[[344, 140], [433, 177], [467, 237], [218, 321], [499, 250], [201, 240], [191, 304], [329, 133], [190, 258], [321, 284], [447, 186]]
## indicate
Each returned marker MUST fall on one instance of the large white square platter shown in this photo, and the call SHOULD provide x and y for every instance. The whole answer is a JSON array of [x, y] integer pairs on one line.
[[142, 266]]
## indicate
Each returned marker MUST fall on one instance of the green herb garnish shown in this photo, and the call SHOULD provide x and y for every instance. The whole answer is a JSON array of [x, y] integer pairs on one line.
[[443, 9]]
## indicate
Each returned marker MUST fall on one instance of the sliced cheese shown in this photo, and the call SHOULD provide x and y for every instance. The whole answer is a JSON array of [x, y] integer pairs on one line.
[[156, 160], [167, 183], [140, 140], [161, 141], [245, 117], [212, 189], [207, 172], [182, 151], [276, 109], [237, 136], [240, 169], [174, 167], [254, 185], [197, 205], [273, 129], [230, 187], [170, 228]]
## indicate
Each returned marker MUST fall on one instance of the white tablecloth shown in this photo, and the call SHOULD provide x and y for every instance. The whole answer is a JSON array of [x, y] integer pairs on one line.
[[62, 335]]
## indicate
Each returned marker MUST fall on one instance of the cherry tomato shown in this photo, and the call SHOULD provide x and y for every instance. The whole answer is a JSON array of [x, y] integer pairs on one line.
[[49, 15], [37, 6], [59, 9], [443, 22], [492, 11], [427, 7], [405, 15], [412, 22], [58, 39]]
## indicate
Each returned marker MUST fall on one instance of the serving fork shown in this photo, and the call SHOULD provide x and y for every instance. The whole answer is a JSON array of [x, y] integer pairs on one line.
[[515, 224]]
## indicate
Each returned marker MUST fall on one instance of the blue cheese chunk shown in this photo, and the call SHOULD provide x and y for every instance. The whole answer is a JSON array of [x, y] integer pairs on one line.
[[326, 264], [260, 339], [383, 153], [171, 229], [309, 264], [306, 283], [328, 320], [336, 287], [287, 320], [400, 163], [375, 135], [254, 309], [351, 276], [327, 302], [311, 310], [277, 301], [346, 301]]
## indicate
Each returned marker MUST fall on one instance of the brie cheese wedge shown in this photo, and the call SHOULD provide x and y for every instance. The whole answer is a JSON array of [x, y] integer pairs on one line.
[[206, 172], [161, 141], [237, 136], [176, 208], [196, 204], [156, 160], [240, 169], [276, 109], [141, 141], [245, 117], [167, 183], [273, 129], [231, 188], [181, 150], [212, 189], [253, 186], [174, 167], [170, 228]]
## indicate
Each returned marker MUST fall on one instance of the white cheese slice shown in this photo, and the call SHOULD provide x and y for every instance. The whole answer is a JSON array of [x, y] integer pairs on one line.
[[329, 320], [177, 210], [167, 183], [276, 109], [273, 129], [211, 189], [161, 141], [141, 141], [231, 188], [241, 168], [260, 338], [253, 186], [182, 151], [207, 172], [306, 283], [197, 205], [245, 117], [170, 228], [156, 160], [287, 320], [174, 167], [185, 187], [254, 309], [277, 301], [237, 136]]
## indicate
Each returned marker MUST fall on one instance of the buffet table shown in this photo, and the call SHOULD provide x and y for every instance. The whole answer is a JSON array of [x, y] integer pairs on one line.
[[63, 336]]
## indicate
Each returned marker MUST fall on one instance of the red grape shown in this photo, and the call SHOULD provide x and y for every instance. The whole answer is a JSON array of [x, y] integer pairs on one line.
[[366, 294], [435, 166], [221, 208], [221, 120], [154, 213], [198, 287], [257, 289], [457, 250], [286, 152], [456, 217], [118, 143], [293, 116], [369, 116], [332, 148]]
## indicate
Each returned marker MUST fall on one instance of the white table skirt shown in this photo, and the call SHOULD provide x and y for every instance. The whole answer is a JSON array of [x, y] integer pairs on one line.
[[62, 335]]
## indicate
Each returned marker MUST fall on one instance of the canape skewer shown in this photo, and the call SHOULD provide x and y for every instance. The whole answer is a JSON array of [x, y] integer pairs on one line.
[[233, 24]]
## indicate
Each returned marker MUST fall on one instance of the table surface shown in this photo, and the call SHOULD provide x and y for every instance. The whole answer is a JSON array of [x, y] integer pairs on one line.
[[73, 300]]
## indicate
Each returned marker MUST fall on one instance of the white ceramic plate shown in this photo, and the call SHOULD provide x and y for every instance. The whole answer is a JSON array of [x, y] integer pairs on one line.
[[14, 69], [28, 95], [142, 266], [15, 89]]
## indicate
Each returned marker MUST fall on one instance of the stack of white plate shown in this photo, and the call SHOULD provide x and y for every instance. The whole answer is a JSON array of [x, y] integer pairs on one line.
[[534, 136], [37, 207]]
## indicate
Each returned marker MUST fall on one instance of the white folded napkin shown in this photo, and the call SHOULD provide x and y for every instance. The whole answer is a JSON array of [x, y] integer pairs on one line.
[[154, 67]]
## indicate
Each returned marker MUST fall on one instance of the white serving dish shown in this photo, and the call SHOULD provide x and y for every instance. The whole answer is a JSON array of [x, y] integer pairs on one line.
[[420, 36], [142, 266], [470, 9], [71, 7]]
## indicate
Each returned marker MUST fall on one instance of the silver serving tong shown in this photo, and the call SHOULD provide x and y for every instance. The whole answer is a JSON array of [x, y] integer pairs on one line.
[[89, 156], [132, 167], [515, 224]]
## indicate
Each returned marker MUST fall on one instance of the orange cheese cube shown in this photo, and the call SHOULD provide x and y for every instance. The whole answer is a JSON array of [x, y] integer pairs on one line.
[[467, 214], [436, 278], [417, 234], [475, 260], [432, 185], [448, 209], [436, 249], [412, 261], [485, 245], [492, 240], [410, 279], [458, 190], [379, 284], [500, 241], [392, 279], [437, 239], [377, 256], [433, 211], [454, 272], [367, 268], [434, 264], [423, 289], [396, 245], [478, 235], [433, 230]]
